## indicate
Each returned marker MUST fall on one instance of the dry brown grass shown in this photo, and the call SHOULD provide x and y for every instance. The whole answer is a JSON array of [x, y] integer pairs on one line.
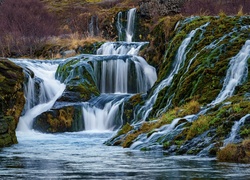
[[73, 41], [235, 153]]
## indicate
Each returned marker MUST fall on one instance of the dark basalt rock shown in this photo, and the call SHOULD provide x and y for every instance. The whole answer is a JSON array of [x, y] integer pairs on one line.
[[154, 8]]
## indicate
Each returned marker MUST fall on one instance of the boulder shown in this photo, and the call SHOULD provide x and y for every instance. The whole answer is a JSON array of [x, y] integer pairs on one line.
[[63, 119]]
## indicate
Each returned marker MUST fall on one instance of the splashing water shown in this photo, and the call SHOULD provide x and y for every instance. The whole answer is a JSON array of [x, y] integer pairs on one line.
[[50, 90]]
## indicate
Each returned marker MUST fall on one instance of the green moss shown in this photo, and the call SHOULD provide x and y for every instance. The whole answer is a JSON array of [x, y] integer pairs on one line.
[[58, 120], [125, 129]]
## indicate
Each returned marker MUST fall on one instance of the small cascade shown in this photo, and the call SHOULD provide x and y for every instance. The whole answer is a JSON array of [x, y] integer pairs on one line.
[[162, 134], [236, 73], [104, 112], [122, 48], [126, 25], [44, 93], [179, 61], [130, 25], [235, 130], [123, 74], [119, 72], [119, 26]]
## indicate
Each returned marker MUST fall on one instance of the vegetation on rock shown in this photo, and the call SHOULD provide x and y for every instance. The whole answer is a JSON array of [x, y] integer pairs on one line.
[[11, 100], [66, 119]]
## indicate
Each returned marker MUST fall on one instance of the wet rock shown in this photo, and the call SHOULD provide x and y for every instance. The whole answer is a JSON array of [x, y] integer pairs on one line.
[[79, 79], [64, 119], [11, 100]]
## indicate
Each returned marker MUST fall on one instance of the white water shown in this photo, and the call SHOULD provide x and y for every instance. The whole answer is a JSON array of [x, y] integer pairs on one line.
[[130, 25], [179, 61], [103, 113], [121, 48], [235, 130], [159, 133], [50, 90], [119, 26], [125, 72], [236, 73]]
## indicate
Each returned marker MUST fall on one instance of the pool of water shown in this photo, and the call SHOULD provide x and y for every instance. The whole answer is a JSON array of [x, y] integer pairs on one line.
[[82, 155]]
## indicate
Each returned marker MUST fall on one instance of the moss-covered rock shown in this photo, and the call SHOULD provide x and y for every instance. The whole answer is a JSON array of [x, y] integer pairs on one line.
[[79, 78], [65, 119], [197, 83], [11, 100]]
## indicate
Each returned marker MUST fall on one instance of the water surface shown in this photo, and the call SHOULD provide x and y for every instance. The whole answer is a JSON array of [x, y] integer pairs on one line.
[[82, 155]]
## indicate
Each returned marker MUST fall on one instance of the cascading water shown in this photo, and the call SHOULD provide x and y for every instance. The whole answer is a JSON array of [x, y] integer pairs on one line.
[[179, 60], [235, 130], [126, 33], [45, 93], [119, 26], [121, 73], [236, 73], [130, 25]]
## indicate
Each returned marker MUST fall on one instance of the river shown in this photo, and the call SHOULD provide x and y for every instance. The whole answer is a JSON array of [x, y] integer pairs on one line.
[[82, 155]]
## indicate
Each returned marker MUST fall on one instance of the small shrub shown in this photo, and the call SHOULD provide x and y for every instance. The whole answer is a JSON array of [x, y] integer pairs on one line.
[[235, 153], [228, 153]]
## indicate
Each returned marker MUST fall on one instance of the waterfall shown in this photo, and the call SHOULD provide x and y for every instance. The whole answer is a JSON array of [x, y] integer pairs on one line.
[[45, 93], [123, 74], [119, 26], [130, 25], [126, 31], [104, 112], [119, 72], [235, 130], [236, 73], [179, 60]]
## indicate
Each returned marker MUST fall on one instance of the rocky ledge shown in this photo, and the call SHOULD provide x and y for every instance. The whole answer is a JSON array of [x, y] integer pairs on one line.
[[11, 100]]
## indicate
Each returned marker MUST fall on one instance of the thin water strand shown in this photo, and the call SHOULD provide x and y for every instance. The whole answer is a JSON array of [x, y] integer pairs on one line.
[[236, 73], [179, 60], [235, 130]]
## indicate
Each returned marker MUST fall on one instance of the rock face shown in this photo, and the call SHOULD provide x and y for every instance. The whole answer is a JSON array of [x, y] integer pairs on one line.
[[188, 115], [152, 8], [11, 100]]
